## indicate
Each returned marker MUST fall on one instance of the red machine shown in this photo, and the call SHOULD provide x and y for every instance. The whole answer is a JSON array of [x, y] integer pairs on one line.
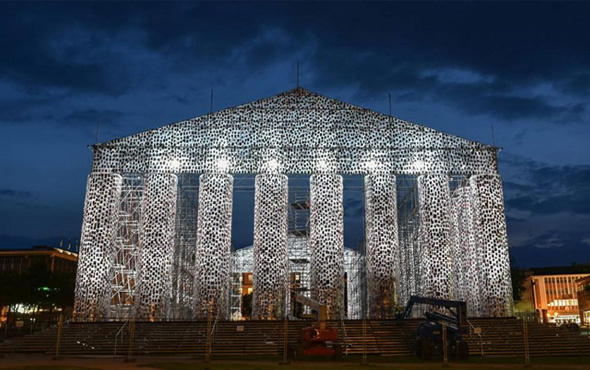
[[318, 340]]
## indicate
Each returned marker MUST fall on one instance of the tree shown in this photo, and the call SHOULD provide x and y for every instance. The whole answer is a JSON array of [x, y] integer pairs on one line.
[[12, 291], [37, 284], [62, 289], [518, 280], [38, 288]]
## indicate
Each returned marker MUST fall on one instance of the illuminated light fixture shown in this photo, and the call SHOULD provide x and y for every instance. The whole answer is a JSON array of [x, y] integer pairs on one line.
[[322, 164], [174, 164], [372, 165], [223, 164], [273, 165], [419, 165]]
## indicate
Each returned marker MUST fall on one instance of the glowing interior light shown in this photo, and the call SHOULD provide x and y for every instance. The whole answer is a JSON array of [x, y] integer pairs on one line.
[[273, 165], [223, 164], [322, 164], [419, 165], [372, 164], [174, 164]]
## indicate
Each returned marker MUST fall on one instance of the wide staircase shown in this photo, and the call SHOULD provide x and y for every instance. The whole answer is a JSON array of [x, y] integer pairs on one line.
[[498, 337], [505, 337]]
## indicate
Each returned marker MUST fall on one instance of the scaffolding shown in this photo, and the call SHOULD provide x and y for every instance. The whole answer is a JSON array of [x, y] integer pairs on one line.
[[355, 283], [298, 245], [235, 292], [185, 247], [410, 244], [242, 262], [299, 256], [125, 248]]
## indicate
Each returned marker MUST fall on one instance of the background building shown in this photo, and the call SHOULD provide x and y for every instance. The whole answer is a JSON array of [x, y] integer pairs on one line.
[[56, 259], [36, 285], [583, 293], [551, 294]]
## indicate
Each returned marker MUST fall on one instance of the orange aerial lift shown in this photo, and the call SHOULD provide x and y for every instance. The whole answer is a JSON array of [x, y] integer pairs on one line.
[[318, 340]]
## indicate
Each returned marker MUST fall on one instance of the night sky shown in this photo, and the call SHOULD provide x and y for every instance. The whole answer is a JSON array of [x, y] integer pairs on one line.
[[523, 68]]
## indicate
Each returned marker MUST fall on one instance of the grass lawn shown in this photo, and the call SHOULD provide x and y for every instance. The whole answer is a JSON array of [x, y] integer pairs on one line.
[[350, 362], [234, 366], [551, 363], [50, 367]]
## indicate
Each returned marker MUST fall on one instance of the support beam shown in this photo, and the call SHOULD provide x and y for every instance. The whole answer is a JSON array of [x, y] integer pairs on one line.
[[156, 240], [94, 277], [270, 283], [435, 258], [214, 223], [382, 243], [327, 242], [490, 225]]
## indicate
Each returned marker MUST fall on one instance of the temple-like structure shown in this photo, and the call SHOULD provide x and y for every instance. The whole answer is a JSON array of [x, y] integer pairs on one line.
[[157, 231]]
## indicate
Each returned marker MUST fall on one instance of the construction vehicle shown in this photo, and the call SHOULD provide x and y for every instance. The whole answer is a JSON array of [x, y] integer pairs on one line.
[[318, 340], [429, 338]]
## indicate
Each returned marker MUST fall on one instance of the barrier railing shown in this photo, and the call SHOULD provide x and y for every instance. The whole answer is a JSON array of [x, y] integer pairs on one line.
[[472, 330], [122, 334]]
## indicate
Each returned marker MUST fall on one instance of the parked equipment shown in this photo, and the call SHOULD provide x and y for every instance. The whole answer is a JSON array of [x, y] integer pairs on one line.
[[318, 340], [429, 338]]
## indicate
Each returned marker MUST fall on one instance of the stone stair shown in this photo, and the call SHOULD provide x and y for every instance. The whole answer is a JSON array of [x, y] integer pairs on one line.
[[499, 337], [504, 337]]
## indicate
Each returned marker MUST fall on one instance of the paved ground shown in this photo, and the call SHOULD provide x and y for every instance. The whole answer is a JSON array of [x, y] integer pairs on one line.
[[43, 362]]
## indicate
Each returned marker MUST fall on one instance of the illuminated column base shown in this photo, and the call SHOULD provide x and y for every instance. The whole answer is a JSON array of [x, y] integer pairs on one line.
[[93, 281], [214, 221], [435, 258], [381, 243], [490, 226], [156, 240], [327, 241], [270, 247], [464, 251]]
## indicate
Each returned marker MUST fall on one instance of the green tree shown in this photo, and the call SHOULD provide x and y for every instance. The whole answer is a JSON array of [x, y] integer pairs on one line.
[[38, 288], [62, 289], [518, 279], [12, 291], [37, 284]]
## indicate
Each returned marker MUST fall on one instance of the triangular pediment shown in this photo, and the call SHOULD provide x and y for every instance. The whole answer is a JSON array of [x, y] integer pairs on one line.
[[298, 108]]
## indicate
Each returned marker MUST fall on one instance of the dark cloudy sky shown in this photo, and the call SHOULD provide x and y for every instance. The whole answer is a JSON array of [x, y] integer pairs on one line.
[[458, 67]]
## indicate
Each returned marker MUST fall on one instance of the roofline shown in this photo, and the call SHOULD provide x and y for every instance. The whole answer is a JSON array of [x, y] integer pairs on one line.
[[584, 274], [49, 252], [203, 115], [298, 88]]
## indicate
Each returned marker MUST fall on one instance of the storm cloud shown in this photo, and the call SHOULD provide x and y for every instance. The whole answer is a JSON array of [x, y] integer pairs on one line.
[[519, 70]]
